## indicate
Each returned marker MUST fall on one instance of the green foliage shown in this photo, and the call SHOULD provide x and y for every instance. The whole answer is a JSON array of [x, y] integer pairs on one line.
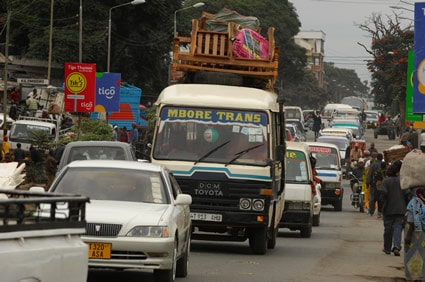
[[94, 130]]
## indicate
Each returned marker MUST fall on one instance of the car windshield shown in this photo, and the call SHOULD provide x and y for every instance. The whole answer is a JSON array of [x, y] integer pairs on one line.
[[113, 184], [341, 144], [326, 157], [26, 132], [95, 153], [296, 167], [212, 135]]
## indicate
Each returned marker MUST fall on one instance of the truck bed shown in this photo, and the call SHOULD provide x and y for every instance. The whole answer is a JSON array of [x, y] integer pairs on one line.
[[40, 237]]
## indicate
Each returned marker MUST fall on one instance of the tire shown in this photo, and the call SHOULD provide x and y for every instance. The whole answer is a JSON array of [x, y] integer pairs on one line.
[[306, 232], [258, 241], [271, 242], [316, 220], [183, 262], [167, 275], [361, 203], [338, 205]]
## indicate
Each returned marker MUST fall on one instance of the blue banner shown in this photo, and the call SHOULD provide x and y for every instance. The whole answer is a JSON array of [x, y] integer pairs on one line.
[[108, 92], [419, 59]]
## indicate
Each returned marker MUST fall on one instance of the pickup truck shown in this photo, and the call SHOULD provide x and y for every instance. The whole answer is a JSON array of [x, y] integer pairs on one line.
[[40, 237], [96, 150]]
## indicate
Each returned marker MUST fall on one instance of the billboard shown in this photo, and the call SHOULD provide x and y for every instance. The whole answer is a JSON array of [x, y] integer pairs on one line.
[[80, 87], [410, 116], [107, 92], [419, 60]]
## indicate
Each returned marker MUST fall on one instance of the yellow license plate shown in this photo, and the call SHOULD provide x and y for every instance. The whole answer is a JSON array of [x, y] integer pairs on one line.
[[99, 250]]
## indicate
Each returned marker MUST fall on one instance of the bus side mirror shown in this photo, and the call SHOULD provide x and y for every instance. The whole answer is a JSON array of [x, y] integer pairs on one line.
[[280, 152]]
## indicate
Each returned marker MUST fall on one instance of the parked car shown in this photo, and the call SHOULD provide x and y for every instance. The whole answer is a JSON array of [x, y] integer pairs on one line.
[[96, 150], [137, 217]]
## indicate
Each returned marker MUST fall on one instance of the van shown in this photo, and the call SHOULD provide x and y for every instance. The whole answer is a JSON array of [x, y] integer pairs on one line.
[[329, 109], [329, 170], [299, 186], [294, 112]]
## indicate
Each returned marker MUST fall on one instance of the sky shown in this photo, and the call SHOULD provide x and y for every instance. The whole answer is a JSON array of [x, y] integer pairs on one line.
[[338, 19]]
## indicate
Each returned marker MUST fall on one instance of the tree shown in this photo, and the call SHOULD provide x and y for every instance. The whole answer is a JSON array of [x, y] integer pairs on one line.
[[389, 48]]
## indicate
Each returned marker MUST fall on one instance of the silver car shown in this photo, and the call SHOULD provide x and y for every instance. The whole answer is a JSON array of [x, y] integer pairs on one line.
[[137, 217]]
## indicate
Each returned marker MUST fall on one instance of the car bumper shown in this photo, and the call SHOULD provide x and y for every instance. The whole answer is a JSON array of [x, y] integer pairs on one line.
[[331, 196], [294, 219], [131, 252]]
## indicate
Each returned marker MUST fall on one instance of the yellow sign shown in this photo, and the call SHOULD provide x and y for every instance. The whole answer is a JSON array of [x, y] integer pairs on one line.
[[76, 82]]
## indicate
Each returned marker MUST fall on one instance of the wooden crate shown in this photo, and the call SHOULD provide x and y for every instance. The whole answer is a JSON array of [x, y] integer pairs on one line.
[[395, 153]]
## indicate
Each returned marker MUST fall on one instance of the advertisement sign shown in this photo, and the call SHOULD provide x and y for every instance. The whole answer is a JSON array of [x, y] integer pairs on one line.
[[419, 59], [410, 116], [80, 87], [107, 92]]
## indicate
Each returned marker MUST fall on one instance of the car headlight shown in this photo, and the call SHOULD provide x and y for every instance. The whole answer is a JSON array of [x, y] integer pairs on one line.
[[298, 205], [258, 205], [244, 204], [149, 231]]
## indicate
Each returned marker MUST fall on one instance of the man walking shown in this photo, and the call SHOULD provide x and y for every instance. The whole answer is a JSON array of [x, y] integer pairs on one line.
[[374, 197], [393, 210]]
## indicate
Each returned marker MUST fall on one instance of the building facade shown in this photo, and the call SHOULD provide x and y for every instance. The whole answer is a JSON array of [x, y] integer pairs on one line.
[[314, 41]]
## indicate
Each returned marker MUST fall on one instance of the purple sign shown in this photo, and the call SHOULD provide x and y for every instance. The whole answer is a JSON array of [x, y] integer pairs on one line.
[[108, 92], [419, 59]]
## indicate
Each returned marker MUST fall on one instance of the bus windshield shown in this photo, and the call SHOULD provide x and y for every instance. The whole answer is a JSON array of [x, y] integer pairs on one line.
[[212, 135]]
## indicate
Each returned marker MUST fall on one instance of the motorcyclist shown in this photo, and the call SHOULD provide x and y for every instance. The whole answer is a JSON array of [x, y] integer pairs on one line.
[[357, 171]]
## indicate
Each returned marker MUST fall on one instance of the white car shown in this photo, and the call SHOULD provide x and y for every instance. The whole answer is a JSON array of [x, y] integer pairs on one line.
[[137, 217]]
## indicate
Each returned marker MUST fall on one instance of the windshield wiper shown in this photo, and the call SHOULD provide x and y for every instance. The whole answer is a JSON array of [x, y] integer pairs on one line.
[[212, 151], [241, 153]]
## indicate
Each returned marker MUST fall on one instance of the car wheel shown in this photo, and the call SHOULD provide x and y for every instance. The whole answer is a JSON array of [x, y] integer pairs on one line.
[[167, 275], [258, 241], [271, 242], [183, 262], [316, 219]]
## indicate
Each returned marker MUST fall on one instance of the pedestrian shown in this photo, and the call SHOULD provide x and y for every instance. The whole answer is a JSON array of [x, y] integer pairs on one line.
[[134, 135], [414, 236], [19, 153], [51, 168], [372, 148], [13, 112], [32, 94], [374, 193], [35, 155], [5, 147], [124, 135], [54, 110], [115, 133], [14, 95], [365, 188], [393, 210], [422, 142], [317, 124], [356, 153], [32, 105]]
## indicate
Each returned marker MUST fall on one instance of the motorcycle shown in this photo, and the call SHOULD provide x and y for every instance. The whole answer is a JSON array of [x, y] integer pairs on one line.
[[357, 196]]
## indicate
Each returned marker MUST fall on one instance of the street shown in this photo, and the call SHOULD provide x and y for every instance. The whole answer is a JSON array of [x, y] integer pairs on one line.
[[347, 246]]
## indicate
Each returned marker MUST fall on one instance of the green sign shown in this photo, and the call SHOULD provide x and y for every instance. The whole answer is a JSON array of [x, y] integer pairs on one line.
[[410, 116]]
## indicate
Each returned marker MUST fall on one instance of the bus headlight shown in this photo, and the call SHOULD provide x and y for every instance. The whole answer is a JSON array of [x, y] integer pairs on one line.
[[245, 204], [258, 205]]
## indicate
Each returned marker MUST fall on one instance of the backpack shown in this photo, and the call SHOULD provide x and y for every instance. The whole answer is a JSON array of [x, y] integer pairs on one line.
[[378, 176]]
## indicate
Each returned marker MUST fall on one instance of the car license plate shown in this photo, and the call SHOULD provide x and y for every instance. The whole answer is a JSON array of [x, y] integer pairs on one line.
[[205, 216], [100, 250]]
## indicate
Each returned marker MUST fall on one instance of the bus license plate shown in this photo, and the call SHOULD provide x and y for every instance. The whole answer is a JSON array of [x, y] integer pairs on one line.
[[205, 216], [99, 250]]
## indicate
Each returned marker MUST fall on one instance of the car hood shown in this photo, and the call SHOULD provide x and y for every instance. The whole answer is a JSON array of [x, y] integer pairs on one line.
[[119, 212]]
